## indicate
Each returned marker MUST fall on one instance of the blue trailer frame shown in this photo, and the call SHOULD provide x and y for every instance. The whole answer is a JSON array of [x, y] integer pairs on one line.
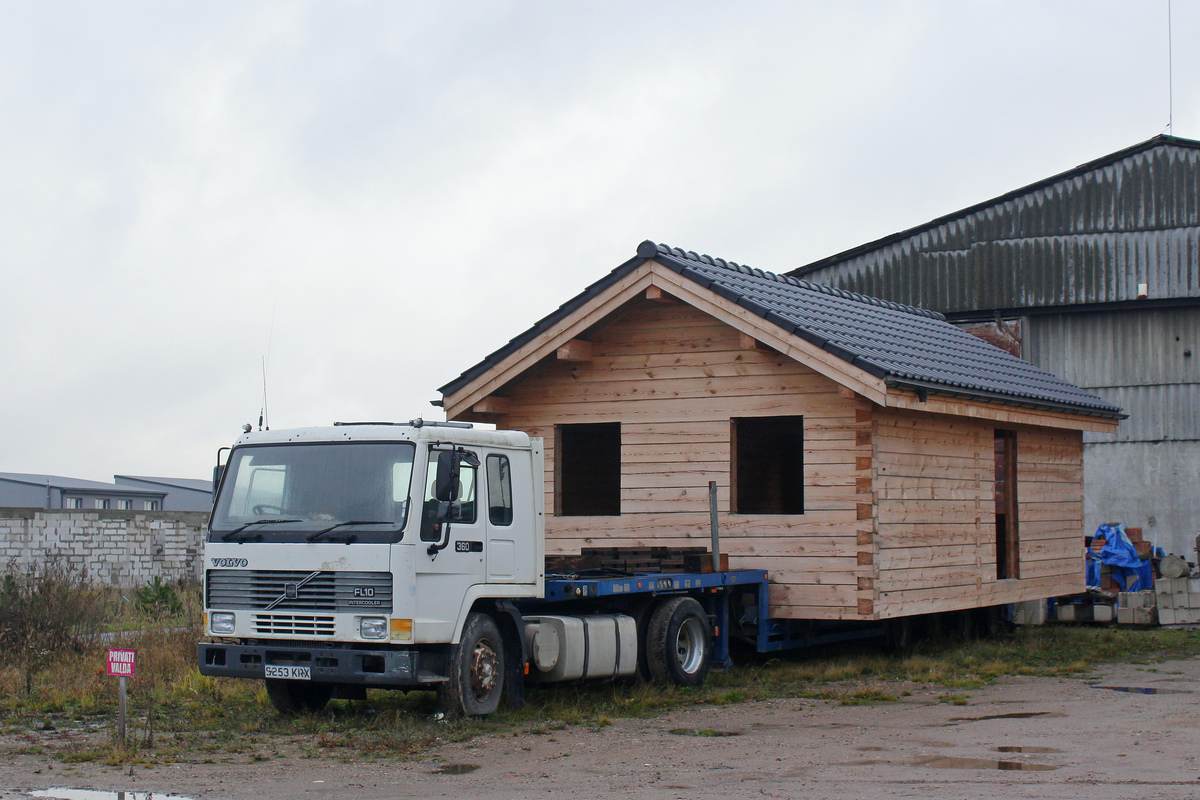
[[714, 590]]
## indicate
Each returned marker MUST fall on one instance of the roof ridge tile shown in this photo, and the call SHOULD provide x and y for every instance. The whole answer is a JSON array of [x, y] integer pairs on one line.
[[798, 282]]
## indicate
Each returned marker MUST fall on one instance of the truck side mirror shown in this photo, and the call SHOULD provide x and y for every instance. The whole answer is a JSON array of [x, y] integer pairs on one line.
[[446, 486], [218, 470]]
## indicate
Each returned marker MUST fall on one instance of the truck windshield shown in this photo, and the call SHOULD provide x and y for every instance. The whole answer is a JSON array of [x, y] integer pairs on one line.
[[289, 492]]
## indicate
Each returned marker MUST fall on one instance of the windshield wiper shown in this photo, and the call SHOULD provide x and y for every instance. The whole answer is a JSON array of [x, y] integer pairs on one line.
[[349, 537], [241, 528]]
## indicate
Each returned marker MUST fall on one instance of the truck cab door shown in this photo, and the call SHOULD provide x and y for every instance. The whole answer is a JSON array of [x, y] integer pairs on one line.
[[449, 572], [510, 528]]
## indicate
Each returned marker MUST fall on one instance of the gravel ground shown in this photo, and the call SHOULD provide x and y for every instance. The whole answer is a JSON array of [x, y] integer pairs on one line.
[[1038, 738]]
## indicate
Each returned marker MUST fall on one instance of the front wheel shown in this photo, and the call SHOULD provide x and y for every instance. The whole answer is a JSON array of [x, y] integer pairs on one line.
[[476, 679], [298, 697], [679, 647]]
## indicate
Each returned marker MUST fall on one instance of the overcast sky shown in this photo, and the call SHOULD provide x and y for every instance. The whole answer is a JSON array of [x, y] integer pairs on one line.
[[378, 194]]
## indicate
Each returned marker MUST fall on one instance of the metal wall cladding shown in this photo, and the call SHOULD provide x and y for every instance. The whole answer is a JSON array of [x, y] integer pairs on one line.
[[1164, 414], [1085, 238], [1138, 360]]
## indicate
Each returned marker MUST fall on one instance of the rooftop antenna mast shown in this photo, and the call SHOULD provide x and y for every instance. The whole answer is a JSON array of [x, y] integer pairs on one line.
[[263, 417], [1170, 75]]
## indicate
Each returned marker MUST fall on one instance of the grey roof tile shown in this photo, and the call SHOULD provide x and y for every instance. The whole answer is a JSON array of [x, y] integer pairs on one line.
[[902, 344]]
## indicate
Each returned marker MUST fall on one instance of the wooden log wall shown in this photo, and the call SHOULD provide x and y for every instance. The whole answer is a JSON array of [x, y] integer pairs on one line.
[[935, 512], [674, 377], [899, 511]]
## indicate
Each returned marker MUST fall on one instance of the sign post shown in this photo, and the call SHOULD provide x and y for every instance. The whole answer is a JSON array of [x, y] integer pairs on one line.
[[122, 663]]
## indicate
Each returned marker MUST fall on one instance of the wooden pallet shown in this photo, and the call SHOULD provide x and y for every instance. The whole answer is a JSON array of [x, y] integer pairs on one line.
[[637, 559]]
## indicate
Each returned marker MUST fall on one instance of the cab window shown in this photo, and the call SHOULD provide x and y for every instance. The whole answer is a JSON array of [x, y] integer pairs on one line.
[[499, 484], [466, 494]]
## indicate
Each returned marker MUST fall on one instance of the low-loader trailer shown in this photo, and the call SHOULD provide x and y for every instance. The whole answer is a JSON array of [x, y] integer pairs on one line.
[[412, 556]]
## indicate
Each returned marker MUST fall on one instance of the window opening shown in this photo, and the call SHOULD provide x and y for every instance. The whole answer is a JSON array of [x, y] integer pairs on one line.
[[587, 471], [768, 465]]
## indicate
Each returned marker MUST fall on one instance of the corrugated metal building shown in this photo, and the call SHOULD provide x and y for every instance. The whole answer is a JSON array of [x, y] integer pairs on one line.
[[1093, 275]]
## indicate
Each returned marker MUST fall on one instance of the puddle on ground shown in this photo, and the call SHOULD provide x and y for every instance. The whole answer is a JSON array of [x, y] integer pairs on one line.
[[1143, 690], [92, 794], [455, 769], [950, 762], [702, 732], [870, 749], [1015, 715], [1016, 748]]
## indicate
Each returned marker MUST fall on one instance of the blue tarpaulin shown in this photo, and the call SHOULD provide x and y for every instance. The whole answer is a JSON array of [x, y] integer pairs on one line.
[[1122, 559]]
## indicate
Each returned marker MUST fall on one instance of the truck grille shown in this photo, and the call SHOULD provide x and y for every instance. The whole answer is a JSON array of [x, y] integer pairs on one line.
[[293, 624], [295, 590]]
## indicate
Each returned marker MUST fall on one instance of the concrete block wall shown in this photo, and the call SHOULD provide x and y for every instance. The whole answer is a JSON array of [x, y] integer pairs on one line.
[[1178, 601], [1137, 608], [119, 548]]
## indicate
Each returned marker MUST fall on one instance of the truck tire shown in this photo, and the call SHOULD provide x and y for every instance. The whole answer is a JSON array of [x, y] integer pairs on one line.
[[476, 680], [679, 647], [298, 697]]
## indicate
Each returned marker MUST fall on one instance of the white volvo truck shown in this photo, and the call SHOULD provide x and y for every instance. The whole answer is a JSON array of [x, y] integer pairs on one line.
[[412, 556]]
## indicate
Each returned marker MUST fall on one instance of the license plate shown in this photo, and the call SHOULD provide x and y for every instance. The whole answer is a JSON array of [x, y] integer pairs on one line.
[[291, 673]]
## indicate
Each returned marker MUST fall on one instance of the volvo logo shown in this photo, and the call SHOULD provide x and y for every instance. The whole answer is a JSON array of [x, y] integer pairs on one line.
[[291, 590], [230, 562]]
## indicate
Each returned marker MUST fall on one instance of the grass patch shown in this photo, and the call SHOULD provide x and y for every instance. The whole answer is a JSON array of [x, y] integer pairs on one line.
[[702, 732], [177, 714]]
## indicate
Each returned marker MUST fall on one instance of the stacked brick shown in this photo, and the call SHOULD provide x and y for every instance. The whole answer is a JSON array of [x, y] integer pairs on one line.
[[1178, 601], [119, 548]]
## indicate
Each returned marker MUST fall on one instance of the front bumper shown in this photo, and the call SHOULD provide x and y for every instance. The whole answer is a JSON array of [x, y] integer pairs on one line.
[[383, 668]]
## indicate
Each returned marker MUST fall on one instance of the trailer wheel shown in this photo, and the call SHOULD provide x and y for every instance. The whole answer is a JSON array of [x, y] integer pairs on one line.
[[476, 680], [298, 697], [679, 647]]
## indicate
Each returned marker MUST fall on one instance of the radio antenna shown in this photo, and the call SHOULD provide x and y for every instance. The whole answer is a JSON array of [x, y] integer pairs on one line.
[[263, 416], [1170, 75], [262, 411]]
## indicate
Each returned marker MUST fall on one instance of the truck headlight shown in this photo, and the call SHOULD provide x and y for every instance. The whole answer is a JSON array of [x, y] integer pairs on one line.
[[219, 622], [373, 627]]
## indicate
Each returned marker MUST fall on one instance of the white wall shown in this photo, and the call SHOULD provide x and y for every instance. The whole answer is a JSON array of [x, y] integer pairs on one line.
[[118, 548]]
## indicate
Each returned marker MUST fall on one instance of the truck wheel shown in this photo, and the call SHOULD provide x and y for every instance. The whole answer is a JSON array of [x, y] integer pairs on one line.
[[679, 646], [476, 670], [298, 697]]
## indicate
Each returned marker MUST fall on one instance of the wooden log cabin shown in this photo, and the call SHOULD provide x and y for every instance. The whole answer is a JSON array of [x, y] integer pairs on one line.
[[878, 461]]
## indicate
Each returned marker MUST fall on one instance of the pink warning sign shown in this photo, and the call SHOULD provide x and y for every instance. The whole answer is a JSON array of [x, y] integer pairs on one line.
[[121, 663]]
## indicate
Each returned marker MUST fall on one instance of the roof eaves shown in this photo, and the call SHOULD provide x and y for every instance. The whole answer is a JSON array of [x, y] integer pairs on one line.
[[518, 341], [1024, 401]]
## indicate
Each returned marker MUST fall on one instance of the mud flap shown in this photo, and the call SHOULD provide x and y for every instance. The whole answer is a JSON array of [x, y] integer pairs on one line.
[[513, 627]]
